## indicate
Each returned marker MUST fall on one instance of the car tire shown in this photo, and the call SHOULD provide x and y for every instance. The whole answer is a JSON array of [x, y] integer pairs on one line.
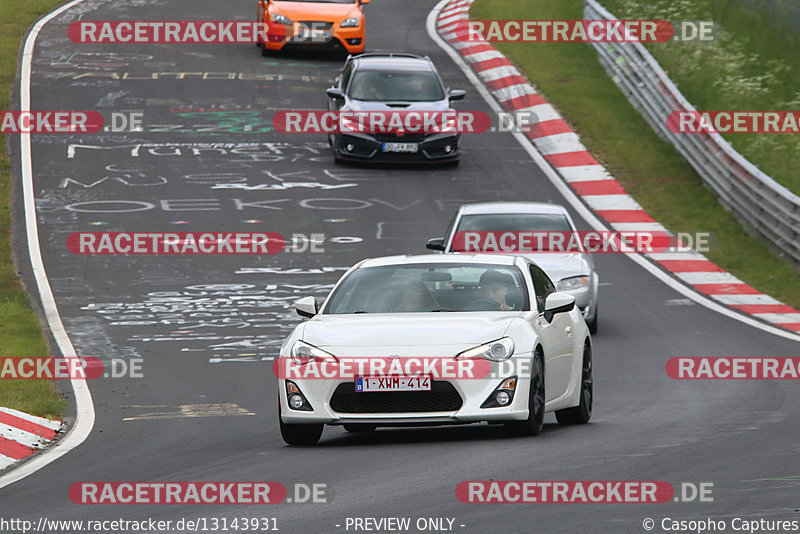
[[303, 434], [593, 323], [533, 425], [583, 412], [360, 427]]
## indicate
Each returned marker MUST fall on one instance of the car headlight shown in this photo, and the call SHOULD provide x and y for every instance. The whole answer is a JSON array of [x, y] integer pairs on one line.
[[347, 124], [350, 23], [280, 19], [496, 351], [302, 353], [449, 126], [575, 282]]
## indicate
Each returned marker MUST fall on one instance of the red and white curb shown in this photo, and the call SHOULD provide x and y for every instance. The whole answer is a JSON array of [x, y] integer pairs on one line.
[[606, 197], [21, 435]]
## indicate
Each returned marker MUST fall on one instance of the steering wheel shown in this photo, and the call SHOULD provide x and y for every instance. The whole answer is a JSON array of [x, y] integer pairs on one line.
[[482, 303]]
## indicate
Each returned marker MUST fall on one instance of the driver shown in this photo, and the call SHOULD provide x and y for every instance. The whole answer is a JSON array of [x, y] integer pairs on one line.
[[494, 289]]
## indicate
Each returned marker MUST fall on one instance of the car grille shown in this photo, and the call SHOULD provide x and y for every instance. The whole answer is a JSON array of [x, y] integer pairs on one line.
[[317, 24], [442, 397], [405, 138]]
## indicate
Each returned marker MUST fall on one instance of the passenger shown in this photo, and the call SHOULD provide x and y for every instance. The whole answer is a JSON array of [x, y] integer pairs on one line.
[[366, 87], [416, 298]]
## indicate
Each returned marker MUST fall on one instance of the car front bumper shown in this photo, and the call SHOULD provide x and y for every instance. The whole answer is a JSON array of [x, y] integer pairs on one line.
[[431, 149], [472, 393], [351, 39]]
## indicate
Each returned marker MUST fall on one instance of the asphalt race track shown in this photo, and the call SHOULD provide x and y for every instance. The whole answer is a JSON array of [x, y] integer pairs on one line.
[[206, 327]]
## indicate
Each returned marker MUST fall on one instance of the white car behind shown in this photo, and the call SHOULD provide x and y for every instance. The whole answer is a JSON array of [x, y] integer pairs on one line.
[[572, 272]]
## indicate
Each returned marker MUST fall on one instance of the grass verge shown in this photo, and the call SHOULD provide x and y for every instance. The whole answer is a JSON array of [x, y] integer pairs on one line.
[[572, 79], [752, 64], [20, 332]]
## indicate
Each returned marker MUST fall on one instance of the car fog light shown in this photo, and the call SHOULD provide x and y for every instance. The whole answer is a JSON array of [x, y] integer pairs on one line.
[[448, 148], [350, 147], [296, 401], [502, 398]]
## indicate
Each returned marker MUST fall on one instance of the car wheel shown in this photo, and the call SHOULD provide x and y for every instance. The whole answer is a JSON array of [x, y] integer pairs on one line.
[[304, 434], [593, 323], [533, 425], [360, 427], [583, 412]]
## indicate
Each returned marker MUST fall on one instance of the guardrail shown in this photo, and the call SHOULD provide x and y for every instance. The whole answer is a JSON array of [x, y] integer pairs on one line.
[[753, 197]]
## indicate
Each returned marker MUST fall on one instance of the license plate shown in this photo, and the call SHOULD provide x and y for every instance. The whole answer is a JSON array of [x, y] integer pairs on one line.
[[393, 383], [313, 34], [411, 148]]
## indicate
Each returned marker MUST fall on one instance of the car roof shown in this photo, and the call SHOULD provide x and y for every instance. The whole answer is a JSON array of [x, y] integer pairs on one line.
[[478, 259], [393, 62], [512, 207]]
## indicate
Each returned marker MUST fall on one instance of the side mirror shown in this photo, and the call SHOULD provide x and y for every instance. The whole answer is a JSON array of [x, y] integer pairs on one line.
[[457, 94], [436, 243], [557, 303], [335, 92], [306, 307]]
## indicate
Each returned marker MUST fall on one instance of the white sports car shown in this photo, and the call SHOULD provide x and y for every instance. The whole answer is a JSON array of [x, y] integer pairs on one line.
[[436, 339]]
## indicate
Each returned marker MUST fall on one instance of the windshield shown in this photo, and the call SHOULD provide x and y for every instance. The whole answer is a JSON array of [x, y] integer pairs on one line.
[[497, 223], [407, 86], [443, 287], [514, 222]]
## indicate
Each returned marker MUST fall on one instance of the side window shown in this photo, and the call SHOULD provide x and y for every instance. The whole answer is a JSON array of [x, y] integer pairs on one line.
[[348, 71], [542, 285], [550, 287], [450, 229]]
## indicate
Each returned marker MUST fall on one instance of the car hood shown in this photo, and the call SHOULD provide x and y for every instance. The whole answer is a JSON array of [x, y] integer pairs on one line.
[[318, 11], [406, 334], [365, 105], [560, 266]]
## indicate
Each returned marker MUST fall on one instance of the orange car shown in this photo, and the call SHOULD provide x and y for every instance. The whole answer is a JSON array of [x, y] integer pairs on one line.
[[320, 23]]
